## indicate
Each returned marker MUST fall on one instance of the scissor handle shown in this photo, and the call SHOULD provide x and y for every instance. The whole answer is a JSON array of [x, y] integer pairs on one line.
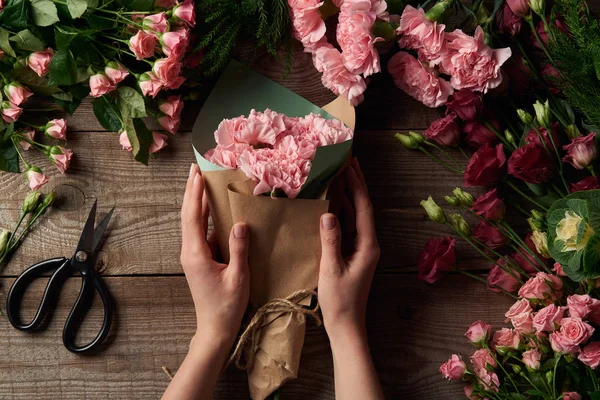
[[90, 281], [20, 285]]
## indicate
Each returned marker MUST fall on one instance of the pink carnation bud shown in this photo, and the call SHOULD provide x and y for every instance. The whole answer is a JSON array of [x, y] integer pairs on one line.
[[175, 43], [17, 93], [35, 177], [479, 332], [142, 45], [61, 158], [159, 141], [39, 61], [115, 72], [100, 85], [156, 23], [581, 152], [57, 129], [124, 141], [29, 134], [453, 369], [150, 84], [10, 112], [185, 12]]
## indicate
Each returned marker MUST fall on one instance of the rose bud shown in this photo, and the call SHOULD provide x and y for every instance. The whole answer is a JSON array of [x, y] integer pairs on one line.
[[48, 200], [171, 107], [39, 61], [10, 112], [542, 113], [531, 164], [479, 332], [531, 359], [142, 45], [407, 141], [489, 206], [589, 183], [498, 279], [124, 140], [465, 198], [185, 12], [156, 23], [4, 235], [444, 131], [149, 84], [115, 72], [489, 235], [478, 135], [159, 141], [506, 339], [100, 85], [571, 396], [454, 369], [17, 93], [519, 7], [169, 124], [437, 257], [61, 158], [35, 177], [590, 355], [56, 128], [30, 202], [581, 152], [27, 135], [434, 212], [466, 104], [168, 71], [486, 166]]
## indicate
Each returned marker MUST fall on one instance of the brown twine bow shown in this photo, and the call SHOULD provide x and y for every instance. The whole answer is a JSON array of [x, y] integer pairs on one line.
[[251, 336]]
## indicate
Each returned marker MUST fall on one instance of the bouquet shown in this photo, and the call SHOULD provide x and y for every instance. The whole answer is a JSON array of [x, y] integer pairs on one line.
[[271, 170]]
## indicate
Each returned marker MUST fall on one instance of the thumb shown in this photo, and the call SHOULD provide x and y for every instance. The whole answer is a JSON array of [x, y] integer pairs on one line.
[[238, 247], [331, 241]]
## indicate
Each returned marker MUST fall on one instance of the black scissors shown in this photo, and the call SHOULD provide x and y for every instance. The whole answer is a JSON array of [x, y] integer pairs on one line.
[[81, 262]]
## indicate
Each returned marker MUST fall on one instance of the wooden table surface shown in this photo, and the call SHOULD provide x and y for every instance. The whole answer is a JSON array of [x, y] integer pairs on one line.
[[412, 326]]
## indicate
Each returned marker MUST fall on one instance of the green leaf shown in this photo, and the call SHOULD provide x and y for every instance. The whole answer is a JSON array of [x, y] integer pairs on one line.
[[77, 7], [131, 102], [105, 111], [591, 257], [37, 84], [594, 395], [93, 3], [15, 14], [63, 38], [63, 68], [44, 12], [9, 158], [5, 44], [25, 40], [561, 108], [140, 138]]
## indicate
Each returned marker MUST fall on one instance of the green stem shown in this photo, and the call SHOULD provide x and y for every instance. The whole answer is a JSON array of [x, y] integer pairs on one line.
[[501, 137], [108, 11], [539, 40], [516, 189], [435, 146], [503, 369], [12, 235], [470, 275], [16, 146], [464, 153], [438, 160], [554, 375], [32, 220], [558, 159]]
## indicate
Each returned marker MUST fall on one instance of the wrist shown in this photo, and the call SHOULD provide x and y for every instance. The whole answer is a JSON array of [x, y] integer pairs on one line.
[[346, 333], [211, 344]]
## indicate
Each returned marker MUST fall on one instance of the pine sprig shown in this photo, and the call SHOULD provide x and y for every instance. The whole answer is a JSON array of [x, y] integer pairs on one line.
[[265, 22]]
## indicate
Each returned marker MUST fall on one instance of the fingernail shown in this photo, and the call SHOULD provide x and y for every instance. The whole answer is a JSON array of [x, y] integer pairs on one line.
[[191, 169], [196, 178], [328, 222], [240, 231]]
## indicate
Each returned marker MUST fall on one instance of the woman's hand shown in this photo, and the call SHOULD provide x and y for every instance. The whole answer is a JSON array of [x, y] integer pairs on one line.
[[220, 292]]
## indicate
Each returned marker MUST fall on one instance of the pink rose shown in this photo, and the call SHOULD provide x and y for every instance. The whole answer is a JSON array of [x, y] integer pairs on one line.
[[417, 81], [498, 279], [354, 37], [489, 235], [489, 380], [437, 258], [575, 331], [489, 206], [558, 269], [523, 323], [172, 106], [17, 93], [540, 286], [589, 183], [453, 369], [336, 77], [57, 129], [169, 124], [36, 178], [590, 355], [571, 396], [444, 131], [507, 21], [479, 332], [155, 23], [10, 112], [168, 71], [581, 152], [124, 141], [149, 84], [100, 85], [486, 166], [519, 307], [175, 43], [581, 305], [61, 158], [548, 318], [419, 33], [159, 141], [186, 12], [466, 104], [481, 358], [531, 359], [469, 393], [471, 63], [561, 345], [142, 45], [506, 338], [115, 72], [519, 7], [29, 134], [308, 26], [39, 61]]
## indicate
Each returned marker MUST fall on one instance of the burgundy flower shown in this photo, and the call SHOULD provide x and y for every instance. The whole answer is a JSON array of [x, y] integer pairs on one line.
[[533, 137], [498, 279], [437, 258], [550, 76], [466, 104], [486, 166], [444, 131], [541, 30], [478, 134], [489, 205], [589, 183], [581, 152], [518, 74], [489, 235], [507, 21], [531, 163]]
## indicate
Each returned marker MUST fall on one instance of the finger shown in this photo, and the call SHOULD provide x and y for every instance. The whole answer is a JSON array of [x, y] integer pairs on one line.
[[365, 225], [214, 246], [356, 167], [239, 241], [192, 228], [331, 243], [205, 211], [349, 214]]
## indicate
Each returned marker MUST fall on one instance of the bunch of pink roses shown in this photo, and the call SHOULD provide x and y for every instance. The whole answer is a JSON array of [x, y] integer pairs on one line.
[[273, 149]]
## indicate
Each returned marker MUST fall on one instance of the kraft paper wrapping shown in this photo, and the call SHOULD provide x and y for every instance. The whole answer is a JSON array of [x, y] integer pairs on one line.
[[284, 233]]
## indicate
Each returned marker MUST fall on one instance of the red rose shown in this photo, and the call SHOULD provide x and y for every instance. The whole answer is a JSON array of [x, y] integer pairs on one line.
[[489, 235], [507, 21], [489, 205], [437, 258], [466, 104], [478, 134], [444, 131], [533, 137], [486, 166], [532, 164], [589, 183]]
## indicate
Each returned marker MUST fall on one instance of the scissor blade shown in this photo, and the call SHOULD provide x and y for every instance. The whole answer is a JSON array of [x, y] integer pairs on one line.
[[87, 236], [99, 231]]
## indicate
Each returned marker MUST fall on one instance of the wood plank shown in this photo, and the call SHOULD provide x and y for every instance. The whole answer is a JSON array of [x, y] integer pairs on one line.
[[155, 322]]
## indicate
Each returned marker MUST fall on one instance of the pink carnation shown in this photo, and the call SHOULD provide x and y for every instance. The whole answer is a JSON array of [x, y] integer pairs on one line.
[[227, 156], [419, 33], [308, 26]]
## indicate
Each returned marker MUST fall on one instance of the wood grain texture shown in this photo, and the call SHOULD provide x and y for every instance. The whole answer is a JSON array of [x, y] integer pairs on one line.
[[413, 327]]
